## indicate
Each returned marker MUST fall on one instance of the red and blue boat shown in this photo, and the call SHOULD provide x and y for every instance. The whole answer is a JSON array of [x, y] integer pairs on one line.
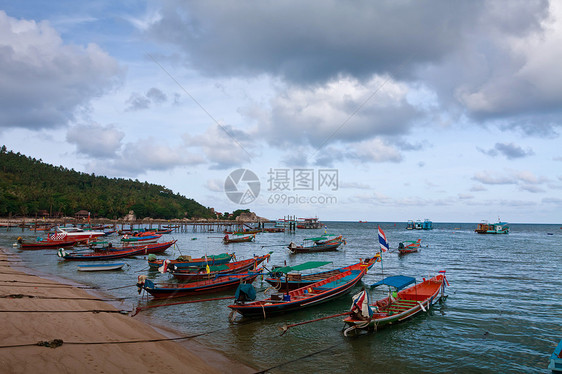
[[108, 255], [219, 283], [291, 278], [192, 274], [410, 247], [319, 244], [304, 297], [183, 262]]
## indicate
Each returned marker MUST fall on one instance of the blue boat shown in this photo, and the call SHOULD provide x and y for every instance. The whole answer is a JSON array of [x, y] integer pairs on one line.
[[419, 225], [556, 359]]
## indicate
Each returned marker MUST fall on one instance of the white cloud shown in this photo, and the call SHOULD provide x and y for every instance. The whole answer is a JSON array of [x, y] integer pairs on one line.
[[45, 81], [223, 146], [144, 155], [375, 151], [95, 140]]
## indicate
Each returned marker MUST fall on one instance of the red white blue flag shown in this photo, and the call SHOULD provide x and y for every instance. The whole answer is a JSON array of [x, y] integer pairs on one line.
[[382, 240]]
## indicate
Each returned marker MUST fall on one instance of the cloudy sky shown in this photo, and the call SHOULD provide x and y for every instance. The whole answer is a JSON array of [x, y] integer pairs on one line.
[[356, 110]]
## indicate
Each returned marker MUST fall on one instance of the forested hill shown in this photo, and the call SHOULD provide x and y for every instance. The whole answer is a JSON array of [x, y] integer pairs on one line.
[[29, 186]]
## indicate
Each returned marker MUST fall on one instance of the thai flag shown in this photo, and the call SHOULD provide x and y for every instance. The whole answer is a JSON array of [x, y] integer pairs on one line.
[[382, 240], [361, 304]]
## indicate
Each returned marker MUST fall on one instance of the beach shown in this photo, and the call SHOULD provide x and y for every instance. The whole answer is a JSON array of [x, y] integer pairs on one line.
[[54, 327]]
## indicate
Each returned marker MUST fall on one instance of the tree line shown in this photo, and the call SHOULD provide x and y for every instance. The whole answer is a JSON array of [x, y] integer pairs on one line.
[[29, 186]]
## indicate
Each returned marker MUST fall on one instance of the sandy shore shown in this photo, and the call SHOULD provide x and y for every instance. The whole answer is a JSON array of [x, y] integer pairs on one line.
[[35, 309]]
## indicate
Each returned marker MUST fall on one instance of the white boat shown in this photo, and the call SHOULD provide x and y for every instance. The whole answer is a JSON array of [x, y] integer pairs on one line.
[[75, 233], [101, 267]]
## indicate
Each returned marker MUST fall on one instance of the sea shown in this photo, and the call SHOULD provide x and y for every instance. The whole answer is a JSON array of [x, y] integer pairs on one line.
[[502, 313]]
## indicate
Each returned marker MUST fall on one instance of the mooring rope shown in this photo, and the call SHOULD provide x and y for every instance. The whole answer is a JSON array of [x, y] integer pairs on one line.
[[299, 358], [58, 342], [21, 296]]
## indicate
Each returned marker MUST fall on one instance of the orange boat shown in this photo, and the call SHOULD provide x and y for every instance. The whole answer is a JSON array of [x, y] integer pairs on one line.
[[398, 306]]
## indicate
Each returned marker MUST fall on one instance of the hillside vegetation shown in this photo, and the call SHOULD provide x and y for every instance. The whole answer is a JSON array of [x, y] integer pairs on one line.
[[29, 186]]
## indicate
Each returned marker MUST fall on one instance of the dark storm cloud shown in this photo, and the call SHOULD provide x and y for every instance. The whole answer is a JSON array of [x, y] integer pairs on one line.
[[314, 41]]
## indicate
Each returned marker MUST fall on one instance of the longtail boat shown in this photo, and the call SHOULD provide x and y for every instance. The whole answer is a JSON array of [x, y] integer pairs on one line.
[[285, 279], [164, 231], [101, 267], [109, 255], [150, 247], [238, 238], [187, 261], [219, 283], [203, 272], [410, 247], [243, 232], [397, 306], [318, 244], [143, 237], [316, 293], [46, 243]]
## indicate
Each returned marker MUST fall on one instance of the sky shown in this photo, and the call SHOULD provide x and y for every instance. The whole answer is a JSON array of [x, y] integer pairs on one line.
[[358, 110]]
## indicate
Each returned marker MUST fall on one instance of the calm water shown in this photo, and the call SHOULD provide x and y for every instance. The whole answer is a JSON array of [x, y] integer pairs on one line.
[[503, 313]]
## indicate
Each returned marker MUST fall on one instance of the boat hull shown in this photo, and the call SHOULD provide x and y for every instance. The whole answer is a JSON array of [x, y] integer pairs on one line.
[[295, 281], [316, 293], [48, 244], [407, 304], [231, 268], [219, 284], [210, 260], [329, 247], [101, 267]]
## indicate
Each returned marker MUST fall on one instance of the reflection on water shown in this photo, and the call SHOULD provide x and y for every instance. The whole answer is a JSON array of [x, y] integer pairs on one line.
[[503, 313]]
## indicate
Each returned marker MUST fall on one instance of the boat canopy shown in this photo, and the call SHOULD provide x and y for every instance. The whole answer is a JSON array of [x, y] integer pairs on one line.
[[303, 266], [396, 281], [323, 237]]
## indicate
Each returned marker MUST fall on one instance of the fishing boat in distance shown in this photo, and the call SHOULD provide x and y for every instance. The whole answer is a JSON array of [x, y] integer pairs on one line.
[[141, 237], [398, 306], [238, 238], [494, 228], [309, 223], [410, 247], [324, 243], [419, 225]]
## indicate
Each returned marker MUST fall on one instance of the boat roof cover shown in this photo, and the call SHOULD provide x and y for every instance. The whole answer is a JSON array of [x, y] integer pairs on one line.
[[323, 237], [396, 281], [303, 266]]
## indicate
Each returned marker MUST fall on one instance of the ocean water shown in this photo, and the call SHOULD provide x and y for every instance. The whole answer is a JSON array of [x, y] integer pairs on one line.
[[503, 313]]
